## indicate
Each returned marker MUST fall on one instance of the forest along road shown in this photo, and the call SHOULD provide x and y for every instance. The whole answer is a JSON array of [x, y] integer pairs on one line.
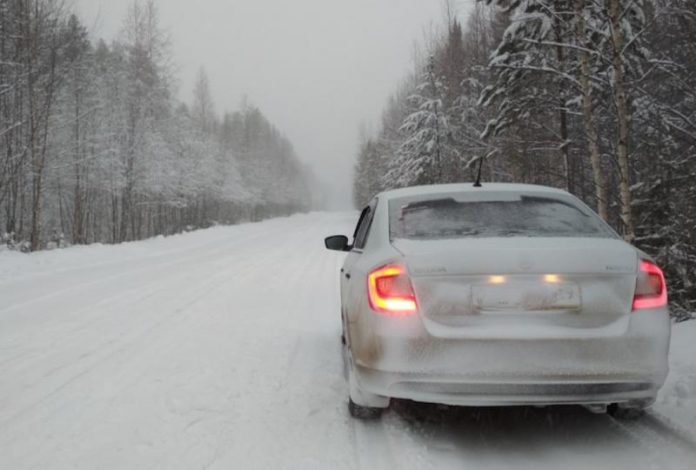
[[220, 349]]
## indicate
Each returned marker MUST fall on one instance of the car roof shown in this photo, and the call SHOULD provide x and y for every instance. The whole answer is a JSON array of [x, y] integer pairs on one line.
[[468, 187]]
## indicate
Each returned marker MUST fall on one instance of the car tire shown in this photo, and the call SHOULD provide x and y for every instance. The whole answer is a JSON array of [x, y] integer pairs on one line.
[[363, 412]]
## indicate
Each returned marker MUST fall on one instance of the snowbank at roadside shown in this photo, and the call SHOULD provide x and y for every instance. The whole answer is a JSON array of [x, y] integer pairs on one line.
[[677, 400], [15, 265]]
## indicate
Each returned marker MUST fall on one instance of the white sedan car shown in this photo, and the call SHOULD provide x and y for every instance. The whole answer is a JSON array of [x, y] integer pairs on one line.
[[495, 296]]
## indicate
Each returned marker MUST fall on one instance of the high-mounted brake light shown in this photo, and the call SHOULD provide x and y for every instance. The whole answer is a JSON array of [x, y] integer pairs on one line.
[[390, 291], [651, 289]]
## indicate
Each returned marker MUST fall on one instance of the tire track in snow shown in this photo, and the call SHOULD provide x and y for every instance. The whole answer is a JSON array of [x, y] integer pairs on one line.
[[151, 278], [106, 356], [234, 272], [100, 355], [661, 438]]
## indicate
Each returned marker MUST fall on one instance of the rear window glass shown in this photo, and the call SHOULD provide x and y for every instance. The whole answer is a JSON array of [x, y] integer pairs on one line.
[[452, 216]]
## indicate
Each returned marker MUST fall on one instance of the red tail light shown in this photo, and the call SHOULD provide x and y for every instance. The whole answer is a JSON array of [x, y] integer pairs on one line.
[[390, 291], [651, 290]]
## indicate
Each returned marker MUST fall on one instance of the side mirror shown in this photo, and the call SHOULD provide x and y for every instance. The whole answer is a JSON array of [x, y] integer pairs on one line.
[[337, 243]]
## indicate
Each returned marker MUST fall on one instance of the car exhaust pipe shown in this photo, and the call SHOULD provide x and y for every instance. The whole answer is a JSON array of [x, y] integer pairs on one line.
[[598, 409]]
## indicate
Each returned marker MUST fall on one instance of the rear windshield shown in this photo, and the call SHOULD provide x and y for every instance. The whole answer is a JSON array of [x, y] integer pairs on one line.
[[452, 216]]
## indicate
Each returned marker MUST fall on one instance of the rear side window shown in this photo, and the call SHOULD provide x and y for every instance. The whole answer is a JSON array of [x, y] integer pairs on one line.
[[452, 216]]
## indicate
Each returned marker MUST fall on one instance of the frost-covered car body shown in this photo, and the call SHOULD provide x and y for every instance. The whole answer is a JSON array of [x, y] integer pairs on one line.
[[500, 295]]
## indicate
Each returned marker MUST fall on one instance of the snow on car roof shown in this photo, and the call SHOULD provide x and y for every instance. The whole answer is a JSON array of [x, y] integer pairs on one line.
[[468, 187]]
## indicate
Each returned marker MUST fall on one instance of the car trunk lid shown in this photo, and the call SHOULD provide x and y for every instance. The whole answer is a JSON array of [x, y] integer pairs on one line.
[[521, 285]]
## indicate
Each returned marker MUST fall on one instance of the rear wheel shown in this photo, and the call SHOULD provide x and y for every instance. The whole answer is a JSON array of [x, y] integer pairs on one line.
[[363, 412], [363, 404]]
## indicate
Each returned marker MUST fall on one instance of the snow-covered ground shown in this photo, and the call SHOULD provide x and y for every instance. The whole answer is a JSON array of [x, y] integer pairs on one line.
[[220, 349]]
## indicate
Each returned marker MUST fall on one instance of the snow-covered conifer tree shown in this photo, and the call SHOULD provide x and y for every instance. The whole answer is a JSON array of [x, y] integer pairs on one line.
[[422, 157]]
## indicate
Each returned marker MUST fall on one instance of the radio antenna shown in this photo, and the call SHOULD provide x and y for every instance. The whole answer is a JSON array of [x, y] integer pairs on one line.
[[478, 184]]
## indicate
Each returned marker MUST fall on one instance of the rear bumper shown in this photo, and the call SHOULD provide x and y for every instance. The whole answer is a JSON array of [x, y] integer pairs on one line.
[[463, 392], [628, 367]]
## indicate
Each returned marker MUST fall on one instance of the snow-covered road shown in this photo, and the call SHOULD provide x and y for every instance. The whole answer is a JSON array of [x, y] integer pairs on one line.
[[220, 349]]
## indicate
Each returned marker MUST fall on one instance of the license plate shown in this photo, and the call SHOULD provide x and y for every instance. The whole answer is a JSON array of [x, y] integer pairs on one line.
[[526, 297]]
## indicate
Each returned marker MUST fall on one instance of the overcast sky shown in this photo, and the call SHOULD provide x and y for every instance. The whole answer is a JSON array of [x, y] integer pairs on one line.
[[316, 68]]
